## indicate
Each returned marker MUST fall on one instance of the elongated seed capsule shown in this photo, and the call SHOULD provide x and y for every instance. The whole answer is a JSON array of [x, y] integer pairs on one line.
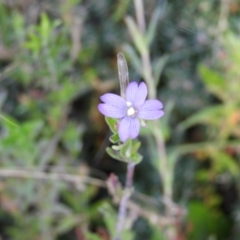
[[123, 73]]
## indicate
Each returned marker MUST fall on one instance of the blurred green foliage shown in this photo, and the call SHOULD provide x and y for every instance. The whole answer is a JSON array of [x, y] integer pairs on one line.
[[57, 58]]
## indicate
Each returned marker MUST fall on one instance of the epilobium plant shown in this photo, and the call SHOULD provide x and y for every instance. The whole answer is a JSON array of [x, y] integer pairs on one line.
[[124, 115], [131, 109]]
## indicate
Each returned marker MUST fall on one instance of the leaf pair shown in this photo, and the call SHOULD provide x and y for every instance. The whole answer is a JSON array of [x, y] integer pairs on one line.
[[125, 152]]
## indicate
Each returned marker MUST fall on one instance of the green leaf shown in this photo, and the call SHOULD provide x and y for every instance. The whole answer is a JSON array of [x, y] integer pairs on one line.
[[206, 222], [157, 233], [136, 158], [126, 149], [70, 138], [92, 236], [114, 138], [45, 27], [126, 152], [214, 82], [34, 43], [137, 36], [9, 121], [110, 217], [121, 9], [232, 44], [111, 122], [115, 154], [134, 58], [204, 146], [135, 145], [67, 223], [66, 92], [157, 14], [224, 162], [158, 66], [118, 147], [210, 115], [19, 26]]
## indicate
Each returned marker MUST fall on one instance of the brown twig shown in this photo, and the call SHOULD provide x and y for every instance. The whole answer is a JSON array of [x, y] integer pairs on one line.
[[54, 176], [152, 216]]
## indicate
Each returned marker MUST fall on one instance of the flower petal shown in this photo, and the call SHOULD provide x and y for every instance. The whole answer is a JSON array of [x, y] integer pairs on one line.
[[114, 100], [134, 128], [152, 104], [124, 127], [140, 95], [150, 115], [131, 91], [111, 111], [150, 110]]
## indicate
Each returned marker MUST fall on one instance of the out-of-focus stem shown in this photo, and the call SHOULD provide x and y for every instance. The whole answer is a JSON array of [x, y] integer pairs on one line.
[[164, 169], [140, 15], [123, 204], [146, 62], [124, 81], [163, 164], [222, 24], [223, 18], [147, 72]]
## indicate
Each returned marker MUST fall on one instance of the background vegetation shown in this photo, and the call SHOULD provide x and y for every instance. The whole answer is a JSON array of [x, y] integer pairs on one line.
[[56, 59]]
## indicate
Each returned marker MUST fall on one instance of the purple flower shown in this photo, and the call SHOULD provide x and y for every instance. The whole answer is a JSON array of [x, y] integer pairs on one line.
[[131, 109]]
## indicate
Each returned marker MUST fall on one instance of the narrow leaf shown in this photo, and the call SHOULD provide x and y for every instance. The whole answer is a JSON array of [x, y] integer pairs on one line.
[[111, 122], [158, 68], [9, 121], [115, 155], [157, 14], [137, 36]]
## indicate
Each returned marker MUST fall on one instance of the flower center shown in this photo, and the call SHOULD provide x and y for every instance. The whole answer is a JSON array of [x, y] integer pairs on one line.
[[131, 112]]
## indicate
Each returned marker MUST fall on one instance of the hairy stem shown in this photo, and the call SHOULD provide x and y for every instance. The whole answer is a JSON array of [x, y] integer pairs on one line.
[[124, 201], [164, 169], [146, 62], [147, 72]]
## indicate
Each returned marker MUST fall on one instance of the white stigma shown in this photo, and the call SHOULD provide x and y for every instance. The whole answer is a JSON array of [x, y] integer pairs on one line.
[[131, 112]]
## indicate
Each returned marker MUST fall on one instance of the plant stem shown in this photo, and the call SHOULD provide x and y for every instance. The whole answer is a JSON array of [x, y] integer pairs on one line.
[[163, 163], [146, 62], [129, 177], [53, 176], [140, 15], [124, 200], [164, 169], [147, 74]]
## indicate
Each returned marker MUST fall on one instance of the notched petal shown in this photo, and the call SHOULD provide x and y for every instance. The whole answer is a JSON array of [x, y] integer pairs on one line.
[[131, 91], [124, 128], [150, 114], [111, 111], [140, 95], [150, 110], [114, 100], [152, 104], [134, 128]]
